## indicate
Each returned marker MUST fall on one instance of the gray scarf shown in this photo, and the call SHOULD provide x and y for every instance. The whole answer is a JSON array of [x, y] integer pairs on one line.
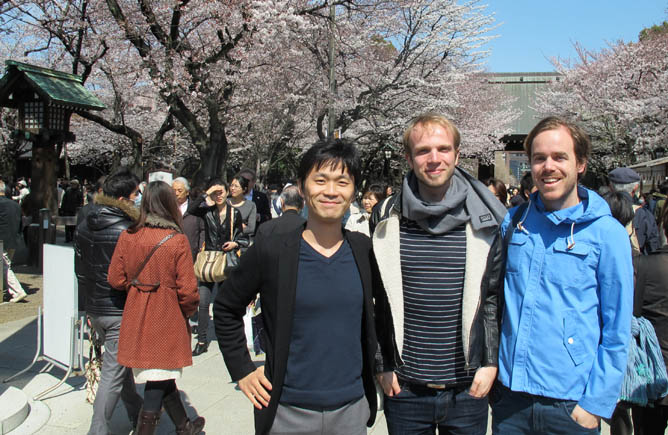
[[439, 217]]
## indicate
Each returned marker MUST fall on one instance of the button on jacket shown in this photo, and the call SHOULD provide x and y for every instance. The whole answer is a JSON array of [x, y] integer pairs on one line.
[[568, 303]]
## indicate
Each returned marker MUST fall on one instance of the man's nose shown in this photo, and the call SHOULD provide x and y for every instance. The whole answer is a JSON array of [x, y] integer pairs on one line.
[[549, 163], [433, 155], [330, 188]]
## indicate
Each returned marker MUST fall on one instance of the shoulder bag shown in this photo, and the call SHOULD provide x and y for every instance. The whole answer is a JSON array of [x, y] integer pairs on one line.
[[212, 266], [93, 368]]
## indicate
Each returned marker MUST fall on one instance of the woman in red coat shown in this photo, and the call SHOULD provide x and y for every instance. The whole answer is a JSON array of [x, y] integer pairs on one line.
[[155, 336]]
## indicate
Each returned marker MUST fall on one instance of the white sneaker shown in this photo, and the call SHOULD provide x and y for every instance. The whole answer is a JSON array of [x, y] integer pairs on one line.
[[19, 297]]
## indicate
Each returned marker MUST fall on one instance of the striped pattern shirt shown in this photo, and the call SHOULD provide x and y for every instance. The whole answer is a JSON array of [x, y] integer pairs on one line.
[[432, 270]]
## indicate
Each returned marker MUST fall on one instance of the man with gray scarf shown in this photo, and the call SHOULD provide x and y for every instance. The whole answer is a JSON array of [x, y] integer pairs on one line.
[[438, 251]]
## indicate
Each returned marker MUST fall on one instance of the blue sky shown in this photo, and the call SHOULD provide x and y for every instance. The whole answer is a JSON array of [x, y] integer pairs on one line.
[[531, 32]]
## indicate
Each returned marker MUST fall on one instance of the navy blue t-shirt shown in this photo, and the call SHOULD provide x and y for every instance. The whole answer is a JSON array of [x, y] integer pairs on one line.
[[325, 359]]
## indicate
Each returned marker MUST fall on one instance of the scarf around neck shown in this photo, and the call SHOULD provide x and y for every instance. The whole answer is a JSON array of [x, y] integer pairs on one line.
[[437, 217]]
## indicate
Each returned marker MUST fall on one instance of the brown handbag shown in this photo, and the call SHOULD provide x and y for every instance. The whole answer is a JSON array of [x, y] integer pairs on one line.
[[210, 266]]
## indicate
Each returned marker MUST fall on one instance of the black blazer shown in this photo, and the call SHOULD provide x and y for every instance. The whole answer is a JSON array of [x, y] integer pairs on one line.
[[262, 205], [285, 223], [270, 268]]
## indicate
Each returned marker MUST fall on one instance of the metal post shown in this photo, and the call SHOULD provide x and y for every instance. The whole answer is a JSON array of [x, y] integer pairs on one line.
[[2, 281], [331, 115], [44, 223]]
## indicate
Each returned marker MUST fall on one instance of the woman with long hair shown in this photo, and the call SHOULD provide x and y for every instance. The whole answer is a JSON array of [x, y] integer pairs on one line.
[[238, 189], [153, 263], [216, 214], [499, 190]]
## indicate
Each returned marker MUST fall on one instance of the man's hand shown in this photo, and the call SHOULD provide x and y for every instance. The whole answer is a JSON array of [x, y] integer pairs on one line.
[[389, 383], [256, 387], [482, 382], [584, 418]]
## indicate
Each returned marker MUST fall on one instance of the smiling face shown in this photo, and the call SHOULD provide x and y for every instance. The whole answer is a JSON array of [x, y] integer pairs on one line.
[[328, 192], [555, 168], [433, 158]]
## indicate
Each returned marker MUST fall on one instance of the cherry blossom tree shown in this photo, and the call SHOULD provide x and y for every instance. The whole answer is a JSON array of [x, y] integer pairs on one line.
[[620, 97], [193, 80]]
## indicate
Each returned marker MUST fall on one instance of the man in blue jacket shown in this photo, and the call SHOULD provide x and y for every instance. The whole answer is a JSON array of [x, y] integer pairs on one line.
[[568, 297]]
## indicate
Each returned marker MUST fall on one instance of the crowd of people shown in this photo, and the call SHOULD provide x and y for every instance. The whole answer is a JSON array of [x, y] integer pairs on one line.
[[449, 295]]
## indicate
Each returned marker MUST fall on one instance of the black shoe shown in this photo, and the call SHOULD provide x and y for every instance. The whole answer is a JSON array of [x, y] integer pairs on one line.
[[193, 329], [200, 348], [176, 411]]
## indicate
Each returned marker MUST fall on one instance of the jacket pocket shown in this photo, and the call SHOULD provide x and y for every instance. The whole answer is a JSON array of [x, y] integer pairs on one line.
[[573, 341], [516, 250]]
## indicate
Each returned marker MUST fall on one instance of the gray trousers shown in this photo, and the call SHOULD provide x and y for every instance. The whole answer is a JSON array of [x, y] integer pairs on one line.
[[350, 419], [116, 381]]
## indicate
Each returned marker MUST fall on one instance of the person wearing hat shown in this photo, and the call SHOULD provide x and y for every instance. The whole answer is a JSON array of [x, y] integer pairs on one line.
[[627, 180], [22, 187]]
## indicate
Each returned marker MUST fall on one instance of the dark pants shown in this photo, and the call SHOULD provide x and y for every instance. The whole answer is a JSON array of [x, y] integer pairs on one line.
[[205, 291], [69, 233], [650, 421], [257, 325], [516, 413], [419, 411], [620, 422]]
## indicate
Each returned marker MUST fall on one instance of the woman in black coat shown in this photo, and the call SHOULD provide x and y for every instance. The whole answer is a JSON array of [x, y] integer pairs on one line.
[[216, 212]]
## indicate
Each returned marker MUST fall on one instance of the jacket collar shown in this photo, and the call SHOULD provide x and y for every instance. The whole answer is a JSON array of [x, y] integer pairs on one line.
[[154, 221], [129, 209]]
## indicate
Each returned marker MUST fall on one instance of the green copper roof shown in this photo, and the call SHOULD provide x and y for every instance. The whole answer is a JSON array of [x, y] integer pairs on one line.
[[53, 86]]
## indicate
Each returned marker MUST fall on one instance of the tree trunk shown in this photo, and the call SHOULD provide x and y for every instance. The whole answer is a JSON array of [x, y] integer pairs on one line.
[[213, 160], [43, 193]]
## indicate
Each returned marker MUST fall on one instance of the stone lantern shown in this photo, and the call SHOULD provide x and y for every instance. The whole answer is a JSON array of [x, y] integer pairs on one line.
[[45, 100]]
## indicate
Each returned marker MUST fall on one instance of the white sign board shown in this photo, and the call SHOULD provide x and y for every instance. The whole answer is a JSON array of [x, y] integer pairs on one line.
[[59, 301], [161, 176]]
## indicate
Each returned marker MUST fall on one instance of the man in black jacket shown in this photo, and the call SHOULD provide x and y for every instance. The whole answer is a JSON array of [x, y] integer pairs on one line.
[[193, 226], [437, 321], [94, 244], [291, 205], [317, 287], [259, 198]]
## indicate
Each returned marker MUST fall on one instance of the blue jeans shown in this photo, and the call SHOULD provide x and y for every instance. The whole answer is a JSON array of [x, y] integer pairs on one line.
[[523, 413], [419, 411]]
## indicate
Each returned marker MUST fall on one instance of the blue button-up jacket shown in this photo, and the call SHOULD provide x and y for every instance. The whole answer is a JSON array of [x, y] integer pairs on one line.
[[568, 304]]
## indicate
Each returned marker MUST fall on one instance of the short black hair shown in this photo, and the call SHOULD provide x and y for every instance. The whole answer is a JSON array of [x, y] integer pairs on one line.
[[218, 182], [377, 191], [663, 187], [243, 181], [526, 184], [621, 206], [331, 152], [120, 184]]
